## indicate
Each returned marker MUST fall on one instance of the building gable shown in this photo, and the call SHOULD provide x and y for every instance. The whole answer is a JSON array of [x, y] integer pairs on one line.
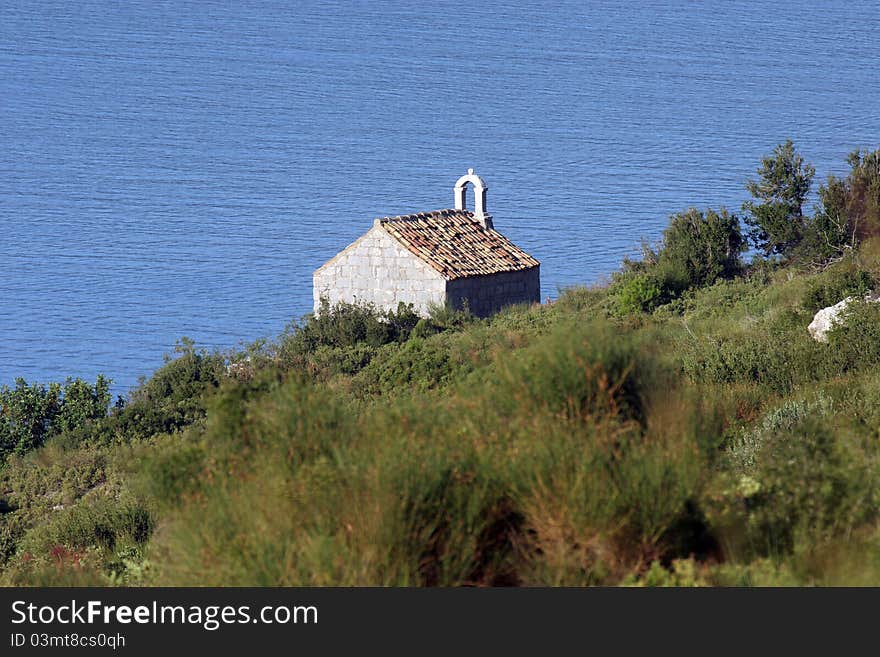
[[377, 269]]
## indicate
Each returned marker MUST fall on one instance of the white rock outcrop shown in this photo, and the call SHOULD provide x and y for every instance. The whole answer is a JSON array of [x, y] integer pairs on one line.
[[825, 319]]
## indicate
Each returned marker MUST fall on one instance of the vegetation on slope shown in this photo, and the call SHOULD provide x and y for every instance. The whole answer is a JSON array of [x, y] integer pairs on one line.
[[678, 426]]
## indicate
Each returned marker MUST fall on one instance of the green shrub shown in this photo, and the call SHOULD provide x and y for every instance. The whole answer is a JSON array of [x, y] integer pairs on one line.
[[259, 499], [705, 247], [529, 321], [599, 499], [810, 486], [418, 365], [835, 285], [848, 212], [778, 362], [682, 573], [101, 522], [744, 448], [12, 527], [445, 317], [31, 414], [78, 546], [169, 470], [696, 250], [577, 371], [54, 475], [854, 342], [346, 325], [780, 355], [326, 362], [826, 236], [637, 292], [173, 397], [452, 523]]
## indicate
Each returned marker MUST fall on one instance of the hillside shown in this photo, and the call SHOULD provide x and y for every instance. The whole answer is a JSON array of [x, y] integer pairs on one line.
[[676, 426]]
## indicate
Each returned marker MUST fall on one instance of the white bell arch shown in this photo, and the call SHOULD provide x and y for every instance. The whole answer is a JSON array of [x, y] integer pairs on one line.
[[480, 189]]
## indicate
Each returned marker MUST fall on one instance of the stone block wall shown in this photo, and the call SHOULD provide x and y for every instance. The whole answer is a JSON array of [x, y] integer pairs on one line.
[[378, 269], [486, 295]]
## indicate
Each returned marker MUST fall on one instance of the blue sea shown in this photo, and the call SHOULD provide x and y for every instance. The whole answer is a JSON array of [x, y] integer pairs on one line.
[[179, 168]]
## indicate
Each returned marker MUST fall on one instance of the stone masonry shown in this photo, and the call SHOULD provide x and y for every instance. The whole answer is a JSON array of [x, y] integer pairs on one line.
[[378, 269], [486, 295]]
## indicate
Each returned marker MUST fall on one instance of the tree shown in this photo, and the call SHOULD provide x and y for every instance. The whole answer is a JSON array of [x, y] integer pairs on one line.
[[31, 413], [705, 247], [697, 249], [830, 232], [848, 211], [856, 200], [775, 217]]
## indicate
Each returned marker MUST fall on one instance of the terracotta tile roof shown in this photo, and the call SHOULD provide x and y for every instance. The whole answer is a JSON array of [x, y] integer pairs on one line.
[[455, 243]]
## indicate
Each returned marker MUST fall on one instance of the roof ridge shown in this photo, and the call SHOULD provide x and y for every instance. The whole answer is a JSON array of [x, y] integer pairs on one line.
[[445, 212]]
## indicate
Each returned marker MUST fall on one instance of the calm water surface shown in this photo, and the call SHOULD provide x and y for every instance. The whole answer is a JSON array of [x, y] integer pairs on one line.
[[180, 168]]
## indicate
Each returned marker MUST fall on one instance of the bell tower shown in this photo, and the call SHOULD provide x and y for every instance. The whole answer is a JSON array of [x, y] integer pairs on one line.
[[480, 189]]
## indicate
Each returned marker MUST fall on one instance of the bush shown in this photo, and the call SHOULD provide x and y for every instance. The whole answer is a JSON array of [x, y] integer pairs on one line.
[[744, 448], [848, 212], [347, 325], [79, 546], [637, 292], [854, 343], [835, 285], [863, 185], [171, 469], [827, 235], [704, 247], [809, 486], [445, 317], [173, 397], [416, 366], [100, 522], [54, 476], [696, 250], [684, 573], [452, 523], [327, 362], [777, 360], [600, 499], [464, 488], [12, 527], [578, 371], [31, 414]]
